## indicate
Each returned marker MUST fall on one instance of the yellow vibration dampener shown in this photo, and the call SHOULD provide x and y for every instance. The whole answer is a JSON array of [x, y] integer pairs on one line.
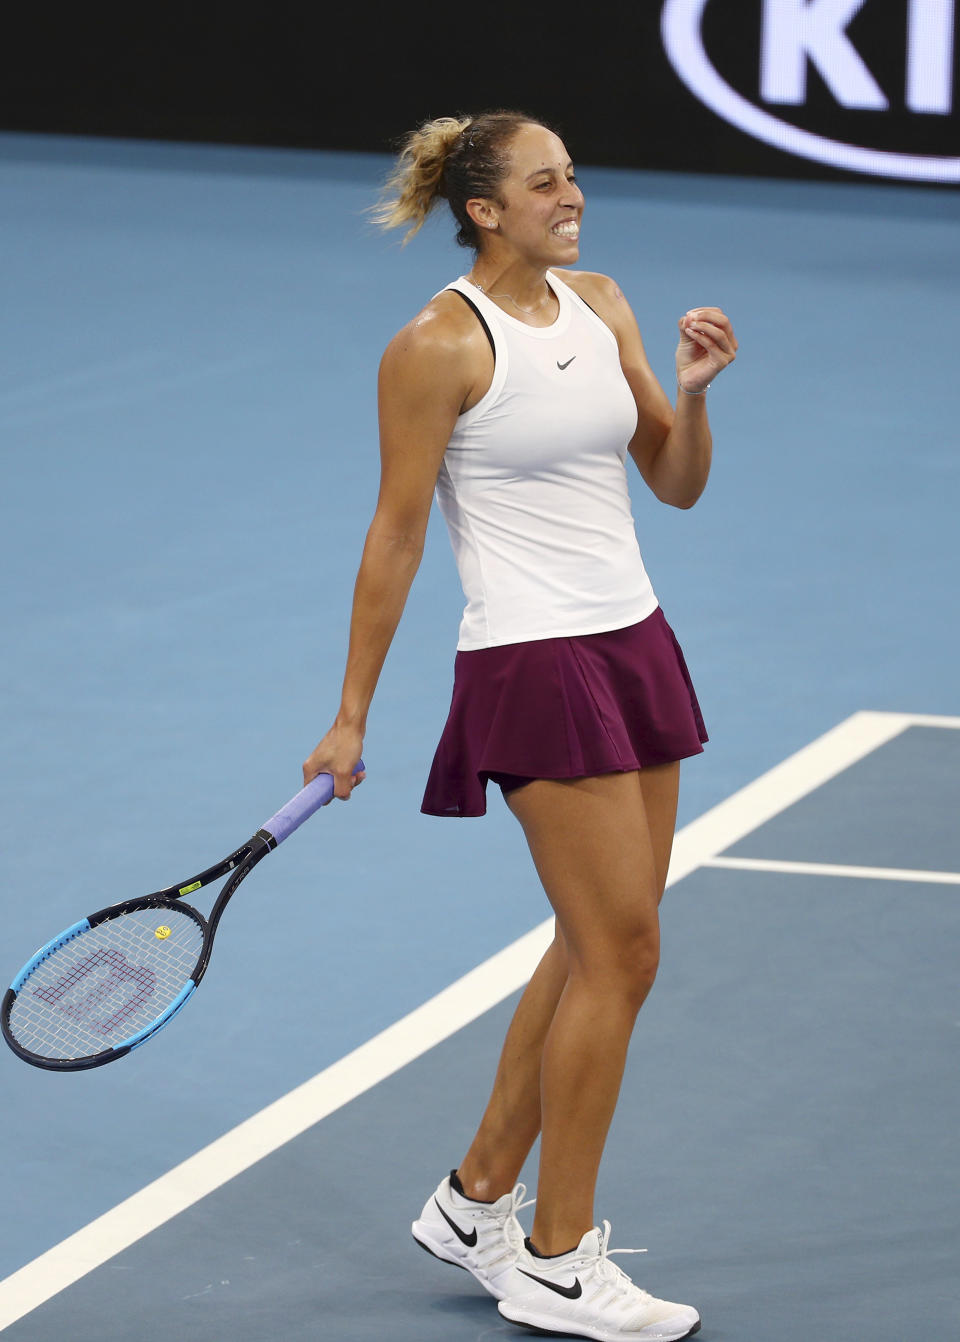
[[162, 933]]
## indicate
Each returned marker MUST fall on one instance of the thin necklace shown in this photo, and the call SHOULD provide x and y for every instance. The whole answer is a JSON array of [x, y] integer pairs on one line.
[[510, 298]]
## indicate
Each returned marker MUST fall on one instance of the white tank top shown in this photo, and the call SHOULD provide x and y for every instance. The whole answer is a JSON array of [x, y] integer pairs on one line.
[[533, 483]]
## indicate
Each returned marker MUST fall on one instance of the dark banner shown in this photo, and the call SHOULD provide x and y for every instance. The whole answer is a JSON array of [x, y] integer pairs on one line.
[[809, 88]]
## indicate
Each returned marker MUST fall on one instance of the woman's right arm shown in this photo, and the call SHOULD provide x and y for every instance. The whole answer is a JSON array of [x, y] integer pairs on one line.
[[426, 375]]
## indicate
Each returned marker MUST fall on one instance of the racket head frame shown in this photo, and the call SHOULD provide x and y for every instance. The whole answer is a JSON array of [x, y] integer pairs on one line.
[[318, 792], [241, 862]]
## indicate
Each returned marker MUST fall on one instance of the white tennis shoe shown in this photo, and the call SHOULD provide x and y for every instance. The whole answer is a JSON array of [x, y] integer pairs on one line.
[[582, 1293], [484, 1237]]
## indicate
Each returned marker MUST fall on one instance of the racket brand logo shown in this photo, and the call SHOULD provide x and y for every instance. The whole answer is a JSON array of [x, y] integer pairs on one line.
[[92, 985], [855, 84]]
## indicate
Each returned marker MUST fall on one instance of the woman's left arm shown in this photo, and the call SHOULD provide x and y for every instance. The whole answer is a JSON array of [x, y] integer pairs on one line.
[[672, 447]]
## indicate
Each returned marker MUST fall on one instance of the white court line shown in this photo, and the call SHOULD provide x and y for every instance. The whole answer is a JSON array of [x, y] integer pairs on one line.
[[834, 869], [428, 1025], [725, 824]]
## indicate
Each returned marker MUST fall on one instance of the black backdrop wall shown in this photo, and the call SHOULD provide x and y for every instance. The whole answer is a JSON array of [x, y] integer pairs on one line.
[[810, 88]]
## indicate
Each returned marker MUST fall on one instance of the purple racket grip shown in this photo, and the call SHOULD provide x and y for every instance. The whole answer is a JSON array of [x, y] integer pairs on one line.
[[301, 807]]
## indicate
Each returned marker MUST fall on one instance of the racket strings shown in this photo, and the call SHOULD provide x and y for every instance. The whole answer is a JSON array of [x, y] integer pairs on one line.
[[108, 984]]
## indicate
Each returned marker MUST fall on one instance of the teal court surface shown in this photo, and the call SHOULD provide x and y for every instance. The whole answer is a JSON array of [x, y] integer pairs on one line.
[[188, 434], [787, 1125]]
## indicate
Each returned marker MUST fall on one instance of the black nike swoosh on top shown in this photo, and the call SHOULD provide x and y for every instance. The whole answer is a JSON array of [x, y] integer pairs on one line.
[[573, 1292], [469, 1240], [562, 366]]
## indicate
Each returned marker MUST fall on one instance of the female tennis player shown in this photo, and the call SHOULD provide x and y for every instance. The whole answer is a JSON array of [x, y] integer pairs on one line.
[[516, 395]]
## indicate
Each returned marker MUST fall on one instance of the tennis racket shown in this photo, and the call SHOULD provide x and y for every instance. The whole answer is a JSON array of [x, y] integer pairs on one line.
[[107, 984]]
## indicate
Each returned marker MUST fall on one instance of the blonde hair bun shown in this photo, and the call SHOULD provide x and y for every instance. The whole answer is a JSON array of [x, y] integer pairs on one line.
[[416, 182], [452, 158]]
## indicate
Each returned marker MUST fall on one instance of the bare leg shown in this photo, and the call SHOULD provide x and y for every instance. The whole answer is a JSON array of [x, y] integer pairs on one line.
[[511, 1123], [602, 847], [660, 788]]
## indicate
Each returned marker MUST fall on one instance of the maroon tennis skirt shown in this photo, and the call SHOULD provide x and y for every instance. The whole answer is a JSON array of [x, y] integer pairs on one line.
[[563, 708]]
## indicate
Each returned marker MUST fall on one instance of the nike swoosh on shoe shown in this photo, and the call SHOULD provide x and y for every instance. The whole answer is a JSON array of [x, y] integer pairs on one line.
[[573, 1292], [469, 1240]]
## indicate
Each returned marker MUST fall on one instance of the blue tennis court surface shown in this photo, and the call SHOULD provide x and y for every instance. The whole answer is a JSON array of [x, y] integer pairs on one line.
[[785, 1141], [187, 422]]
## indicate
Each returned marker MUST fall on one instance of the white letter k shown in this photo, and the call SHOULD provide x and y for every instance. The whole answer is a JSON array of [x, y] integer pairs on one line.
[[795, 31]]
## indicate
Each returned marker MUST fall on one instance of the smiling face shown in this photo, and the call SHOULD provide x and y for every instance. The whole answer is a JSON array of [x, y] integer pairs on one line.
[[538, 207]]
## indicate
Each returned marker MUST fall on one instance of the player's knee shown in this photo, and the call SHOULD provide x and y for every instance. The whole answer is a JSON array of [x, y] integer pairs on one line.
[[627, 967], [640, 959]]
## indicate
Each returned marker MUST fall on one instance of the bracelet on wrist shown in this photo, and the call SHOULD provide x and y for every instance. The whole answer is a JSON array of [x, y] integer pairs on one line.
[[686, 392]]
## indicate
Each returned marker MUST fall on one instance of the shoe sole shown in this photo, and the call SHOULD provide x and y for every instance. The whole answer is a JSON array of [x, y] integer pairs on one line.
[[595, 1334], [436, 1251]]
